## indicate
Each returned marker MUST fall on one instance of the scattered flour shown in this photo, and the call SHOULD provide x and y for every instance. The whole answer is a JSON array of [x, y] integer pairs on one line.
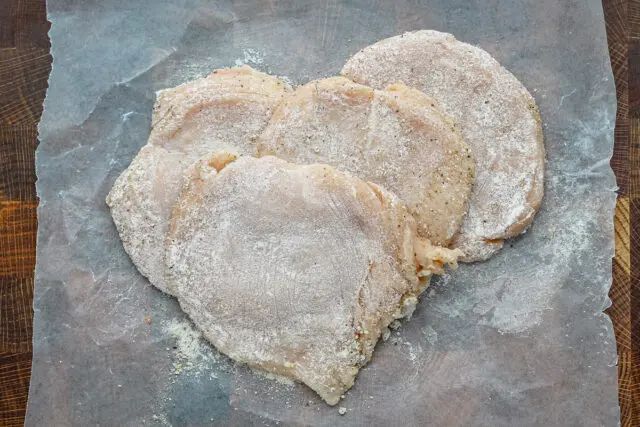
[[430, 334], [160, 419], [411, 352], [190, 353], [251, 57], [256, 59], [187, 338]]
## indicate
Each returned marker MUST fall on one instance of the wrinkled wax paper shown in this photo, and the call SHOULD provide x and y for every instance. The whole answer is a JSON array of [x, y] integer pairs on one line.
[[519, 340]]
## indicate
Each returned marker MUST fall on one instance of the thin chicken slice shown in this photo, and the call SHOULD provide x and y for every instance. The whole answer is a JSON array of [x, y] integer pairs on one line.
[[398, 138], [295, 269], [225, 111], [498, 118]]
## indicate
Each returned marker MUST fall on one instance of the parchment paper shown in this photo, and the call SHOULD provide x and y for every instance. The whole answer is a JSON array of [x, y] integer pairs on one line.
[[519, 340]]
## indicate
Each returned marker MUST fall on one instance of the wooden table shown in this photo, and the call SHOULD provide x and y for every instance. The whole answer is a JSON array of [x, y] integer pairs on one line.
[[25, 63]]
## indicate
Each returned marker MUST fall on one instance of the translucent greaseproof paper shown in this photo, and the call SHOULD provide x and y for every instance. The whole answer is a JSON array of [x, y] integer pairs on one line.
[[519, 340]]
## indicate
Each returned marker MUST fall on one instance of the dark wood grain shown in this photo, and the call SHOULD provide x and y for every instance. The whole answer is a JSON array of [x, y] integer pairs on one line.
[[623, 32], [24, 68]]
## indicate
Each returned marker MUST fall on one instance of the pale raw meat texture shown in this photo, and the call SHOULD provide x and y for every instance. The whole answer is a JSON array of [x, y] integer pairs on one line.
[[295, 269], [397, 138], [498, 118], [225, 111]]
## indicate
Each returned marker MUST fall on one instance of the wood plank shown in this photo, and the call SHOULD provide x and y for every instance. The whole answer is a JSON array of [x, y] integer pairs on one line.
[[17, 159], [23, 24], [15, 371], [623, 26], [23, 83], [620, 294], [620, 313], [615, 12], [25, 64], [18, 226]]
